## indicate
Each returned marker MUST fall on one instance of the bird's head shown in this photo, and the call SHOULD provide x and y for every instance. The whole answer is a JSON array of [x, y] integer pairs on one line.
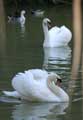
[[56, 78], [47, 22], [23, 12]]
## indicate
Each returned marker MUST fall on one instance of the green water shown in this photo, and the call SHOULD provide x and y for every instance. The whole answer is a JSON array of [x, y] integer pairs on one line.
[[21, 49]]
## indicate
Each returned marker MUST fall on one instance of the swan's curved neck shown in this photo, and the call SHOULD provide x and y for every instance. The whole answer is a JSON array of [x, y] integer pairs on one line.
[[22, 19], [57, 90], [46, 33], [22, 15]]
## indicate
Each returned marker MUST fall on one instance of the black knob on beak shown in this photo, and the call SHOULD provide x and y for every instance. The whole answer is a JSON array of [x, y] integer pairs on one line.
[[59, 80]]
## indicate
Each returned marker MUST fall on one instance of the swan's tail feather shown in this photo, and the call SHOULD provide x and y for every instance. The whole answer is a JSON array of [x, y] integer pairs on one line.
[[11, 94]]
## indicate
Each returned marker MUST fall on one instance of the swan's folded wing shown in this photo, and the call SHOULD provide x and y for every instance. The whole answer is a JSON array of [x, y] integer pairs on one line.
[[54, 30]]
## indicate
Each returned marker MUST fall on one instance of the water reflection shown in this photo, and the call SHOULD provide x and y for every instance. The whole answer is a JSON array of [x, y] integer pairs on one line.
[[22, 28], [3, 45], [38, 111], [18, 30], [58, 57], [82, 80], [2, 30]]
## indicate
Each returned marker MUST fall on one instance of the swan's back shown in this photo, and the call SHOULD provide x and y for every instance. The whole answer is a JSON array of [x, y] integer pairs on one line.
[[29, 84], [38, 74], [18, 19], [67, 33], [59, 36], [20, 81]]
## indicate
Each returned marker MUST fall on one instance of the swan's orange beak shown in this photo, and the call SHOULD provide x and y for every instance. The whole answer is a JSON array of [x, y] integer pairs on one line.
[[59, 81]]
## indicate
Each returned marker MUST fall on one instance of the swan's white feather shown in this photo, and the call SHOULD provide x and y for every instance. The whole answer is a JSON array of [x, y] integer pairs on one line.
[[12, 94], [56, 36], [20, 19], [35, 85]]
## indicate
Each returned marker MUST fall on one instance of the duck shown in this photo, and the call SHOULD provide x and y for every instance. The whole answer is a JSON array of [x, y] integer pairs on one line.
[[21, 19], [38, 13], [37, 85], [56, 36]]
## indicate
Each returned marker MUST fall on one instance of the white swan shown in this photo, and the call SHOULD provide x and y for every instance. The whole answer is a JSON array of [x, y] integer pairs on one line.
[[20, 19], [56, 36], [38, 85]]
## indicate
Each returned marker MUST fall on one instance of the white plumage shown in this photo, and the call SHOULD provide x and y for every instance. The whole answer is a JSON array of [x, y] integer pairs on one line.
[[38, 85], [20, 19], [56, 36]]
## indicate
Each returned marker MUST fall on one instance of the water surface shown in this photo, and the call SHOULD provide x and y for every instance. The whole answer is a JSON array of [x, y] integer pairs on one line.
[[21, 49]]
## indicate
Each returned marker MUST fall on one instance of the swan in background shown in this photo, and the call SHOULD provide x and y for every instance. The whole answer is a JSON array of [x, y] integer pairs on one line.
[[38, 85], [36, 111], [57, 56], [56, 36], [20, 19], [38, 13]]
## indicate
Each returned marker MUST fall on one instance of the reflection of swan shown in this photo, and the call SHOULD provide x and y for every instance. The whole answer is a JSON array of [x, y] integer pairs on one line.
[[38, 85], [22, 30], [20, 19], [38, 111], [56, 36], [57, 55]]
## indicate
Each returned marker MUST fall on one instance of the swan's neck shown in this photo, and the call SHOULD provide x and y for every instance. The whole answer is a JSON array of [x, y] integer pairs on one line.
[[22, 15], [46, 34], [59, 92], [22, 19]]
